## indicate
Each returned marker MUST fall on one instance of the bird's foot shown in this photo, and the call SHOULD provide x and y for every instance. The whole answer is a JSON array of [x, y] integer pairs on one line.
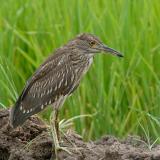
[[66, 149], [69, 150], [58, 149]]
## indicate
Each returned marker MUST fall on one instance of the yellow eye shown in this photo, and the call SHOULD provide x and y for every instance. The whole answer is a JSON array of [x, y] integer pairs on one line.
[[92, 43]]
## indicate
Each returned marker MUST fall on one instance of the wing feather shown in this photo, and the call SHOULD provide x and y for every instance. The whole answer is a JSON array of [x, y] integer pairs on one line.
[[54, 78]]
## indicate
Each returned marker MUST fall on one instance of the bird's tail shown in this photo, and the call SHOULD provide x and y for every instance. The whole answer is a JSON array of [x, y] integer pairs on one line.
[[16, 118]]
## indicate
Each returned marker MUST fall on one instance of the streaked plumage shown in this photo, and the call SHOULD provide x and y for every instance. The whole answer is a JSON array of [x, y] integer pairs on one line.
[[57, 77]]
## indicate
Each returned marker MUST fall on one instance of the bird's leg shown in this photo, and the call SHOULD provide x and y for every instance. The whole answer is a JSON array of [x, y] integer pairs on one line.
[[54, 125], [57, 124], [55, 133]]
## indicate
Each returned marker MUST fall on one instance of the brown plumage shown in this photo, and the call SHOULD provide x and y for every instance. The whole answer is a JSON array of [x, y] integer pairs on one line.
[[57, 77]]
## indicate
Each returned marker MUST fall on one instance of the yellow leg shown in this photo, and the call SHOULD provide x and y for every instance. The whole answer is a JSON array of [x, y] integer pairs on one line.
[[55, 133], [57, 124]]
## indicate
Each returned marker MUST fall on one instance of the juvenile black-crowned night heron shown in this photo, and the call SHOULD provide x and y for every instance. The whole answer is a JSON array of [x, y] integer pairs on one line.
[[57, 78]]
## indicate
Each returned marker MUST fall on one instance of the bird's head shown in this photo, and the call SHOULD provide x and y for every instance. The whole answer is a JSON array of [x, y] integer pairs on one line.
[[90, 44]]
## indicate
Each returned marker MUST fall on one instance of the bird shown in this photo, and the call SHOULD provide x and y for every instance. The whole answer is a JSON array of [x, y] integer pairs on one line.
[[56, 79]]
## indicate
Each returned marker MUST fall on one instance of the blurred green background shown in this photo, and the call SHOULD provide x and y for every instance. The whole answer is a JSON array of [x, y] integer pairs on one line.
[[122, 95]]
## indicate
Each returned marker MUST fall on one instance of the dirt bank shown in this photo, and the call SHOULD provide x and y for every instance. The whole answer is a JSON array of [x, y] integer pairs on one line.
[[33, 142]]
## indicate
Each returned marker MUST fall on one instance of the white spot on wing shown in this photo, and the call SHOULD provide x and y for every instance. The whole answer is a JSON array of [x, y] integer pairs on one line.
[[24, 111], [21, 108], [63, 75], [60, 83], [45, 84], [65, 83], [52, 80], [42, 106], [50, 102], [72, 77], [55, 88], [58, 75]]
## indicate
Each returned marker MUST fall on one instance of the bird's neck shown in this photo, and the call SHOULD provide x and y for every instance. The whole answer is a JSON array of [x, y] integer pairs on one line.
[[81, 58], [81, 62]]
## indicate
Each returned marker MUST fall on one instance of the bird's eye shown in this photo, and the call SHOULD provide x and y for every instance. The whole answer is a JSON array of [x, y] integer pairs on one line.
[[92, 43]]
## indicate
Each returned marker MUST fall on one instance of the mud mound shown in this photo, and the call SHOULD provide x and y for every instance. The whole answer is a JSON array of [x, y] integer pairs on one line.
[[32, 141]]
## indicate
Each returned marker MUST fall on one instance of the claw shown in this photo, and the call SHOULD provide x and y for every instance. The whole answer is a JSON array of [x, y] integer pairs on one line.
[[63, 149]]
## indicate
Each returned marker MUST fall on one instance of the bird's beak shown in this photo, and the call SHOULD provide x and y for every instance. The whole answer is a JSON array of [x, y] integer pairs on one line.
[[106, 49]]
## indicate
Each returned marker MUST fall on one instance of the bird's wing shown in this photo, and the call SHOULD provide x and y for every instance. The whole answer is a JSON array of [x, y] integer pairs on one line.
[[51, 81], [41, 72]]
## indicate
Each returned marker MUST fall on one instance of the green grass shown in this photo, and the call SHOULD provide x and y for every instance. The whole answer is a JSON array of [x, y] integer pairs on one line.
[[123, 95]]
